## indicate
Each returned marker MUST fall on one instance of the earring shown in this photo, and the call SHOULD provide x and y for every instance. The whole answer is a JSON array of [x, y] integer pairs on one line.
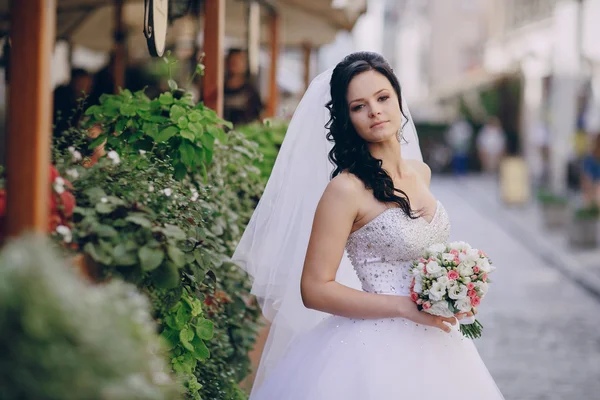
[[400, 135]]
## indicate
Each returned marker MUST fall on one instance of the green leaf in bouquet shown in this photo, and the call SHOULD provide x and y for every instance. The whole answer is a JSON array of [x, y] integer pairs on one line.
[[201, 352], [123, 256], [176, 113]]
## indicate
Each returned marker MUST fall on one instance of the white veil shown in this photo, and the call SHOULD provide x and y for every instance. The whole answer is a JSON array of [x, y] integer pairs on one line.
[[273, 246]]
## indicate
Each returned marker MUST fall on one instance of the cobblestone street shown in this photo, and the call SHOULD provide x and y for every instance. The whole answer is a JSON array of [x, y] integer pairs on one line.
[[542, 327]]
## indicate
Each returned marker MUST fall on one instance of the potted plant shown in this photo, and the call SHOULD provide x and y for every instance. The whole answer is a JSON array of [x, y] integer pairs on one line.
[[583, 232], [555, 213]]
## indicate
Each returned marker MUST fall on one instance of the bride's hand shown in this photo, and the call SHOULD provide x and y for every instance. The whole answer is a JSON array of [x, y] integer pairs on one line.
[[423, 318]]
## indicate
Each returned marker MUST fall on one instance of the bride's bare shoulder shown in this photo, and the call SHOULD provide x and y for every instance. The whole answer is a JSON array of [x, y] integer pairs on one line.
[[346, 184]]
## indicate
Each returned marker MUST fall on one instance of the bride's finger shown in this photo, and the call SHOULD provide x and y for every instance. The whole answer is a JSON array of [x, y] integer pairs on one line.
[[450, 320]]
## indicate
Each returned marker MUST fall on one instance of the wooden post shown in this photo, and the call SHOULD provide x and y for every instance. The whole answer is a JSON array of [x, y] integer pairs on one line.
[[273, 89], [119, 61], [214, 74], [306, 52], [32, 30]]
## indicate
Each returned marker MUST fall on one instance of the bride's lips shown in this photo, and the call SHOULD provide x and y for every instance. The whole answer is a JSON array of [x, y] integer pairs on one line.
[[378, 124]]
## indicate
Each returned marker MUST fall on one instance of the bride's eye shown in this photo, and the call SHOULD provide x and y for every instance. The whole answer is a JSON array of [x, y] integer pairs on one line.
[[384, 98], [358, 107]]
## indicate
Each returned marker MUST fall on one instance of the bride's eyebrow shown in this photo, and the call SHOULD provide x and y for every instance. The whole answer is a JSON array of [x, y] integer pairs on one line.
[[361, 99]]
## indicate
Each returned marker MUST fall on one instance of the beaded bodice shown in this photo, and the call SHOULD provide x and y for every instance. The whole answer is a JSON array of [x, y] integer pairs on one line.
[[382, 251]]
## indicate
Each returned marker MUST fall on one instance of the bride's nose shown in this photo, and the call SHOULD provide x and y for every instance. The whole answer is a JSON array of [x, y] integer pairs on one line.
[[374, 112]]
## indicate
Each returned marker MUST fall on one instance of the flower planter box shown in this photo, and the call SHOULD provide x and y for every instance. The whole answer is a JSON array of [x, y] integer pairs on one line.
[[555, 215], [584, 233]]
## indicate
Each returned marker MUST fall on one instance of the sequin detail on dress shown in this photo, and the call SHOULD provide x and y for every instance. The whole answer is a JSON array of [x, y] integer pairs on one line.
[[382, 251]]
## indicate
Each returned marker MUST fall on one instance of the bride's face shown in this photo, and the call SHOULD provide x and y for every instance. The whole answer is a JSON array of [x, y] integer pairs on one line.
[[374, 107]]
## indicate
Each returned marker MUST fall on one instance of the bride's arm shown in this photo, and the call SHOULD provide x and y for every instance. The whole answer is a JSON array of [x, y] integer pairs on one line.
[[332, 225]]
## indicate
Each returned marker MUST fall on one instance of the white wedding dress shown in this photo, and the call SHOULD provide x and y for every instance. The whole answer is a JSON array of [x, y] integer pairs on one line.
[[385, 359]]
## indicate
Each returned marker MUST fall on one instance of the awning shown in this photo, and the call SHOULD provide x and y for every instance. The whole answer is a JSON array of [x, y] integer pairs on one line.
[[90, 23]]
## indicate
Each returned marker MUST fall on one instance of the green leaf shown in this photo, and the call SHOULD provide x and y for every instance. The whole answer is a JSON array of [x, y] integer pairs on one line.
[[151, 258], [166, 276], [139, 220], [207, 141], [205, 329], [180, 171], [120, 127], [105, 208], [188, 134], [172, 84], [123, 256], [166, 99], [201, 352], [97, 142], [171, 336], [186, 335], [176, 113], [200, 69], [195, 116], [199, 153], [176, 255], [166, 134], [182, 122], [128, 110], [187, 153], [106, 231], [97, 253], [217, 133], [174, 232], [93, 110]]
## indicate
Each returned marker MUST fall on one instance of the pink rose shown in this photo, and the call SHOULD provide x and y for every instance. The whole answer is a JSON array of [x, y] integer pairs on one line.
[[419, 301], [470, 286], [453, 275], [426, 305], [454, 252], [473, 277], [476, 270], [422, 260], [472, 293], [475, 301], [484, 277], [457, 260], [414, 296]]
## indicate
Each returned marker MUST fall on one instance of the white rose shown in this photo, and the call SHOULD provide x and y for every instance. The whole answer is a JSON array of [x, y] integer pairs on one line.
[[482, 288], [484, 265], [418, 286], [433, 268], [415, 271], [443, 280], [457, 291], [459, 246], [437, 248], [448, 258], [440, 308], [437, 291], [463, 305], [464, 269], [472, 255], [467, 279]]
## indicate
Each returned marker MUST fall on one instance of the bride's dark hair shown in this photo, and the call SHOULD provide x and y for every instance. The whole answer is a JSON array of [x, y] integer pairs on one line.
[[350, 152]]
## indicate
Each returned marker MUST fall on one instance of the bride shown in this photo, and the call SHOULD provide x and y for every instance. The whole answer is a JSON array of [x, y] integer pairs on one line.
[[349, 192]]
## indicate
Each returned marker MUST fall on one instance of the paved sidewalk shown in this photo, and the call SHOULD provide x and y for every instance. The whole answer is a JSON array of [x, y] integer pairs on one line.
[[525, 224], [541, 337]]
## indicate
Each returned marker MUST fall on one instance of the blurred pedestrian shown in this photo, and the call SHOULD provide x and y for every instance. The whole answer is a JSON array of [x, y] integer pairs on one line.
[[590, 179], [491, 145], [68, 101], [459, 138], [241, 103]]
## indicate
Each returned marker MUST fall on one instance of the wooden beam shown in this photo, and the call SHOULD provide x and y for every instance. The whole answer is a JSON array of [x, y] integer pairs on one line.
[[306, 53], [214, 34], [253, 37], [274, 42], [33, 26], [119, 61]]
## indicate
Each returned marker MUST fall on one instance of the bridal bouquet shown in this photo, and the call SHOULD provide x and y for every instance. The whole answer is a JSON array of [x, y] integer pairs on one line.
[[452, 278]]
